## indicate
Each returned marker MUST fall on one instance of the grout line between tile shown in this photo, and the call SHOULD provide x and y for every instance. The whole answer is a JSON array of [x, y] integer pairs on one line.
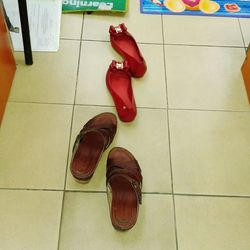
[[32, 189], [173, 44], [242, 36], [107, 41], [104, 192], [70, 39], [71, 125], [168, 129], [112, 106], [213, 195], [206, 45], [144, 193], [139, 107], [210, 110], [86, 191], [43, 103]]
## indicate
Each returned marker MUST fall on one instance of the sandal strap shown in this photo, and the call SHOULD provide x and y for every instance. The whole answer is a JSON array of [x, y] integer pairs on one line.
[[82, 133], [130, 168], [131, 172], [107, 132]]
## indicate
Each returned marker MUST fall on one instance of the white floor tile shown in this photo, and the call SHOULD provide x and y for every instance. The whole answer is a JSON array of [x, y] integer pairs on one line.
[[197, 30], [210, 152], [83, 225], [29, 219], [71, 26], [205, 78], [212, 223], [34, 146], [52, 77]]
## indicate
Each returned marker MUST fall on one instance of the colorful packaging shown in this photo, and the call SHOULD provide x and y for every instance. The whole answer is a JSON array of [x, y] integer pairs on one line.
[[94, 5]]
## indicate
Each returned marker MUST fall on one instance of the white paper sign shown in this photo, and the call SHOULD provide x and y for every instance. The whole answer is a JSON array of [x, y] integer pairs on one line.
[[44, 21]]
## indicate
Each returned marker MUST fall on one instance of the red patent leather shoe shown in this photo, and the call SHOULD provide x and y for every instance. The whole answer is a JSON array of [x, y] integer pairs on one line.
[[124, 43], [118, 80]]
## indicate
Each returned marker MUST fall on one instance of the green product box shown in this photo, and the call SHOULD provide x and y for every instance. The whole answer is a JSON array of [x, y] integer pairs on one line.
[[94, 5]]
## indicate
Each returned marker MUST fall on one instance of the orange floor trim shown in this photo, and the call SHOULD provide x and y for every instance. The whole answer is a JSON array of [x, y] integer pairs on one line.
[[7, 65], [245, 69]]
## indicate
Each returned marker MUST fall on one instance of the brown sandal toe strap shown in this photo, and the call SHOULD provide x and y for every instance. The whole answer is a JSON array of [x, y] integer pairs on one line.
[[130, 172]]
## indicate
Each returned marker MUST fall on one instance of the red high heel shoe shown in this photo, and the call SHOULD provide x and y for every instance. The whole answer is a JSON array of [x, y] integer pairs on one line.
[[118, 80], [124, 43]]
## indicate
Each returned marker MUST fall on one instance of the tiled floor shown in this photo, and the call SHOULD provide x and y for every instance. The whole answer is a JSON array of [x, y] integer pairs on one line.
[[191, 138]]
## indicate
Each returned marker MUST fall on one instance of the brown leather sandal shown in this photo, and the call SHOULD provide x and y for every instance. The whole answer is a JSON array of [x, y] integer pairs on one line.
[[124, 183], [95, 137]]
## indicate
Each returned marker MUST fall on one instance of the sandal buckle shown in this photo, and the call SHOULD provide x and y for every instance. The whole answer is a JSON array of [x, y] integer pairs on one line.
[[118, 29], [119, 65]]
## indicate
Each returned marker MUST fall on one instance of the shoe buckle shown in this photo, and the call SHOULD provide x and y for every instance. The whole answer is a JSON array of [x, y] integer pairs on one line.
[[119, 65], [118, 29]]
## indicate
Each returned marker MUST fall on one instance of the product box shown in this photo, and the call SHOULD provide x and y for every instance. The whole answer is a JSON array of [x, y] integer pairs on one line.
[[94, 5], [7, 64], [245, 69]]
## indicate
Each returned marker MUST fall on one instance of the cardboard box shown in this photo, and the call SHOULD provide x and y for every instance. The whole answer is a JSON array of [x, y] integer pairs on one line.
[[7, 64]]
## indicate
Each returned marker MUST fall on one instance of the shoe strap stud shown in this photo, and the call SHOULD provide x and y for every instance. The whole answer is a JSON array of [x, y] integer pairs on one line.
[[118, 29], [119, 65]]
